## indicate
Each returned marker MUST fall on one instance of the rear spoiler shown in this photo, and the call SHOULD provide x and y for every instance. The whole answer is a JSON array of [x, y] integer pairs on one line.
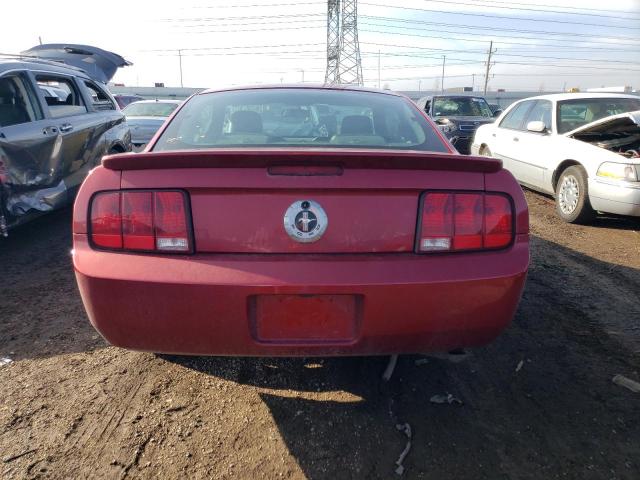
[[340, 158]]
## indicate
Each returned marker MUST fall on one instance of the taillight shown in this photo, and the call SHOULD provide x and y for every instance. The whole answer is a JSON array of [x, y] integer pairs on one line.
[[136, 220], [458, 221]]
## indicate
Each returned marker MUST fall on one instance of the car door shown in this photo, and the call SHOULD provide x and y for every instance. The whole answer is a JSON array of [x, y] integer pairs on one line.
[[75, 126], [532, 150], [30, 143], [103, 117], [505, 138]]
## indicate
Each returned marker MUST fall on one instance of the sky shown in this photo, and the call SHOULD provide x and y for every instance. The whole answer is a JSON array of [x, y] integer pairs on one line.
[[539, 45]]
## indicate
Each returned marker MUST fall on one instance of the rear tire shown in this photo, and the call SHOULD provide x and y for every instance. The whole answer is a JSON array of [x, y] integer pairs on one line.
[[572, 196]]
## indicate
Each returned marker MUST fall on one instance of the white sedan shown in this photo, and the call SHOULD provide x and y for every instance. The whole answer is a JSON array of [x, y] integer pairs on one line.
[[582, 148]]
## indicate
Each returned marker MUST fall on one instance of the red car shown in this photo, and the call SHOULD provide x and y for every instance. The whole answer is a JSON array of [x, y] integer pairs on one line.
[[300, 221]]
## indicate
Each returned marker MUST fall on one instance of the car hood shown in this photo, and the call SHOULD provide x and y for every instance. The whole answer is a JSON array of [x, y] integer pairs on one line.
[[155, 121], [466, 120], [98, 64], [613, 123]]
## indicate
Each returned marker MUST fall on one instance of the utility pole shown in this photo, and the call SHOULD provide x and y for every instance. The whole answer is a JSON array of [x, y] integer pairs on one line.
[[180, 60], [40, 40], [419, 85], [473, 82], [444, 59], [486, 74], [302, 70]]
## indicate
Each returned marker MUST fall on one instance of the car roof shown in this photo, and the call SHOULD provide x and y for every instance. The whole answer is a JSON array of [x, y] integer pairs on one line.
[[453, 95], [352, 88], [157, 101], [21, 63], [558, 97]]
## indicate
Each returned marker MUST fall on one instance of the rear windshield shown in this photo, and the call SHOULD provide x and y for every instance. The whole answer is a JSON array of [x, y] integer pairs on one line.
[[155, 109], [573, 114], [299, 118]]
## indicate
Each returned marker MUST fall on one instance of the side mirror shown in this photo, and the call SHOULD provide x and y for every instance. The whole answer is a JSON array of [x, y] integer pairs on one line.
[[536, 126], [497, 113]]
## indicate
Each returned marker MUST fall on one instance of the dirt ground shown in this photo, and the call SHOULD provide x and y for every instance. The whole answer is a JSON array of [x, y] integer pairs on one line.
[[539, 403]]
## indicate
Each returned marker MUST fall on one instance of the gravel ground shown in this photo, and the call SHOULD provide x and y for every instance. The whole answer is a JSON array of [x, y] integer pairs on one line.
[[537, 403]]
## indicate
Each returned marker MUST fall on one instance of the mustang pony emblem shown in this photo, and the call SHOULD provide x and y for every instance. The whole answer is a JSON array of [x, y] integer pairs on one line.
[[305, 221]]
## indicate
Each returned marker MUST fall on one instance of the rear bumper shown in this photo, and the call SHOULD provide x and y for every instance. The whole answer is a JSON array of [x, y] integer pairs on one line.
[[205, 304], [620, 198]]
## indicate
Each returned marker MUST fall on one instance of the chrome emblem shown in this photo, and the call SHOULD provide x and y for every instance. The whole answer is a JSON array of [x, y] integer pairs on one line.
[[305, 221]]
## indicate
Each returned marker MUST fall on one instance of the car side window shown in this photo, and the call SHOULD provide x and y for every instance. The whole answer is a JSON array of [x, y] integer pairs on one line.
[[18, 103], [99, 99], [541, 112], [61, 95], [515, 118]]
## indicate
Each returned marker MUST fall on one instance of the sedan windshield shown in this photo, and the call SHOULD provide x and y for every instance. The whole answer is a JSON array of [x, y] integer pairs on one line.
[[149, 109], [461, 107], [299, 117], [573, 114]]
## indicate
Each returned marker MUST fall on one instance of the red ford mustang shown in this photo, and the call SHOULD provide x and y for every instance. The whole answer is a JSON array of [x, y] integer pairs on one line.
[[300, 221]]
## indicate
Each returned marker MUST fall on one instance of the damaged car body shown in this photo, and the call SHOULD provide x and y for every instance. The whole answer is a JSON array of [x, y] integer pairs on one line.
[[56, 122]]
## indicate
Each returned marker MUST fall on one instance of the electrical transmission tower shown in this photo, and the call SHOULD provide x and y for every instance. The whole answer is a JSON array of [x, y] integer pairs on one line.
[[344, 65]]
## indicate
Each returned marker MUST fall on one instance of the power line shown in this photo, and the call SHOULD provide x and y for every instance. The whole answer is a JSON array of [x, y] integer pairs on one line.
[[242, 17], [216, 24], [320, 17], [293, 4], [230, 54], [493, 29], [498, 16], [554, 6], [235, 47], [502, 42], [482, 3], [503, 54], [484, 41]]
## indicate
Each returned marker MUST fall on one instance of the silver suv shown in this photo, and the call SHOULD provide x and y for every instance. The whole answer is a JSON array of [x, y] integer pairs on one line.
[[57, 120]]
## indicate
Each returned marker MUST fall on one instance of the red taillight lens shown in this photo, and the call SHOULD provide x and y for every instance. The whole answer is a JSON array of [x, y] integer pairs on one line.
[[465, 221], [140, 220], [498, 221], [137, 221], [106, 224]]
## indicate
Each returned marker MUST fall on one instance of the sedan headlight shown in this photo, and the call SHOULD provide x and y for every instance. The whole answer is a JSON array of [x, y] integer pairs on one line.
[[618, 171]]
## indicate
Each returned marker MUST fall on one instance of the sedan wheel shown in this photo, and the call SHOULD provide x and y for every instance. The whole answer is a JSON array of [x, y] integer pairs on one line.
[[568, 194], [572, 198]]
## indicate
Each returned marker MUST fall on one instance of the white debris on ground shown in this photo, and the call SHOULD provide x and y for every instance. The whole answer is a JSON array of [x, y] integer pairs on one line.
[[421, 361], [520, 364], [627, 383], [406, 429], [448, 399], [386, 376], [5, 361]]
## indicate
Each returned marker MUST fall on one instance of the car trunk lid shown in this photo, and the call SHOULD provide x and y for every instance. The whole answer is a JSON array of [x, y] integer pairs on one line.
[[239, 197]]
